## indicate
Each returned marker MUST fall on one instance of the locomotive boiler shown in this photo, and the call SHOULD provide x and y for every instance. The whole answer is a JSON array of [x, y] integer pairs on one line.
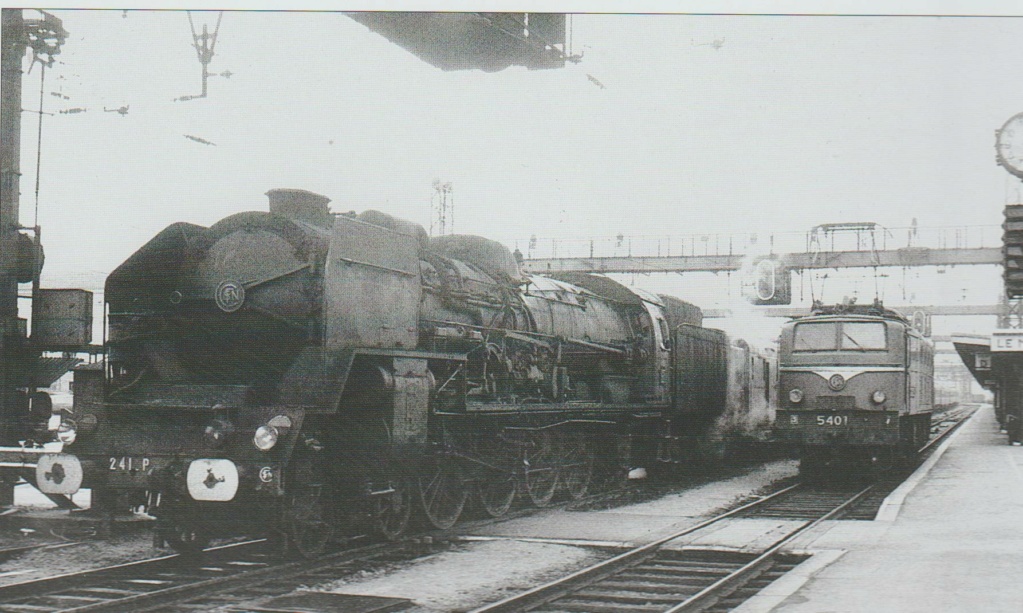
[[306, 371]]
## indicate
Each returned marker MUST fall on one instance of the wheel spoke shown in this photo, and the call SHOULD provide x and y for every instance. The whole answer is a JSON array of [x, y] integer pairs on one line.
[[393, 510], [576, 466], [540, 470], [442, 493], [307, 509], [496, 480]]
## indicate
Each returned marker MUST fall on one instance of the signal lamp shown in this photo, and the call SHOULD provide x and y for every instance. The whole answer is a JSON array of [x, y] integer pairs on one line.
[[796, 396], [878, 397]]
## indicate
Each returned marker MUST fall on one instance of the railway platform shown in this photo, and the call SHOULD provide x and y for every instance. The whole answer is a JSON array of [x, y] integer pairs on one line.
[[952, 543]]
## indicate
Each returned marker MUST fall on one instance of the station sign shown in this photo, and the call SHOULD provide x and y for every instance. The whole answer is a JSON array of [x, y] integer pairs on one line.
[[1004, 341]]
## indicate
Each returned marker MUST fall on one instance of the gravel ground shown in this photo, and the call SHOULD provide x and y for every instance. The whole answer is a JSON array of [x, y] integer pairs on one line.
[[83, 549], [78, 556], [717, 495], [482, 572], [463, 578], [476, 573]]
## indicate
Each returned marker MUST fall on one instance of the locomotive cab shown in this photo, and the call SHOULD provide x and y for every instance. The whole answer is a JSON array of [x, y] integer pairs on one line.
[[855, 386]]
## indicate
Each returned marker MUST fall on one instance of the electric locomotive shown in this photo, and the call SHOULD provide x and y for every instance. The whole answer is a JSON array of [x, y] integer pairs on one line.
[[307, 371], [856, 389]]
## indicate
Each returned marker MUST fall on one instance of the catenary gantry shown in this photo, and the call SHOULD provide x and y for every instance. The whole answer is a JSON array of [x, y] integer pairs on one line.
[[910, 256]]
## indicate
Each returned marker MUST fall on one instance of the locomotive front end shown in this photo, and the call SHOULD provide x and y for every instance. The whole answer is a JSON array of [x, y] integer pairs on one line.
[[211, 332], [840, 383], [853, 389]]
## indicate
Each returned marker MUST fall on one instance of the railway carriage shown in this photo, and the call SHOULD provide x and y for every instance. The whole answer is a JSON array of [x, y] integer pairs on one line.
[[307, 372], [856, 388]]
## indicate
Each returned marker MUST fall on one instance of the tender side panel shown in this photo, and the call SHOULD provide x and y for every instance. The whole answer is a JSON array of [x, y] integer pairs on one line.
[[751, 395], [700, 367]]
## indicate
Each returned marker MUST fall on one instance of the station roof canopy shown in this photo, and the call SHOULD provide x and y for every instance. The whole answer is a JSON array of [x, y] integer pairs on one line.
[[480, 41]]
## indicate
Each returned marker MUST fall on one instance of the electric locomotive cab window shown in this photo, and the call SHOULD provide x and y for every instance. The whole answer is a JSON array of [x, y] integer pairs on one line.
[[816, 336], [840, 336], [863, 336]]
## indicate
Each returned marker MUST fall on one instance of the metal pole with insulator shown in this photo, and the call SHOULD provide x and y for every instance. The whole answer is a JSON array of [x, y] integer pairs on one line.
[[12, 335]]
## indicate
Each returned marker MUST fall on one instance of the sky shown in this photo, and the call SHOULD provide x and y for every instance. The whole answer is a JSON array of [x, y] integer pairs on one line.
[[670, 125]]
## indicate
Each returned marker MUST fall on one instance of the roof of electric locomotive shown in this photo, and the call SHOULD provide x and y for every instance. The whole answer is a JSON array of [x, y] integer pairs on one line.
[[852, 311]]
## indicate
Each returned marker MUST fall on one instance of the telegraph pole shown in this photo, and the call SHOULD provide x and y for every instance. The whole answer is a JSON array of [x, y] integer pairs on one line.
[[10, 172], [12, 335], [19, 255]]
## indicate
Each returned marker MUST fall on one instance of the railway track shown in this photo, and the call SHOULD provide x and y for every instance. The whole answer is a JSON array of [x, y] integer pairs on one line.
[[242, 568], [649, 578], [7, 553], [658, 578], [222, 576]]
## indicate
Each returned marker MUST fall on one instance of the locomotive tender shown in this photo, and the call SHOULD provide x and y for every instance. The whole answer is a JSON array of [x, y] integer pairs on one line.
[[857, 388], [300, 370]]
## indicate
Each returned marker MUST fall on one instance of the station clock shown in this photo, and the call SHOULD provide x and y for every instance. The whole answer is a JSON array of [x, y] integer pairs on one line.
[[1009, 145]]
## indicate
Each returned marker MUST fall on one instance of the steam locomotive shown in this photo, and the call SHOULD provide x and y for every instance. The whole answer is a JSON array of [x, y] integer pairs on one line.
[[857, 387], [305, 371]]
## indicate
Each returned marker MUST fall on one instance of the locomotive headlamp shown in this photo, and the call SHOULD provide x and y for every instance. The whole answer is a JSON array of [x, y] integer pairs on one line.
[[878, 397], [66, 432], [267, 434], [265, 438], [796, 396]]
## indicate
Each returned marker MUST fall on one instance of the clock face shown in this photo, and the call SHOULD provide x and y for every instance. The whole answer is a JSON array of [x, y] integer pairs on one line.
[[1009, 145]]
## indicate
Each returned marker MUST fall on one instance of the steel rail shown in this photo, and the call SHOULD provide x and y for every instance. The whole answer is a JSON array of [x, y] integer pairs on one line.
[[152, 599], [157, 599], [45, 585], [204, 587], [10, 552], [566, 585], [575, 582], [699, 601], [956, 415]]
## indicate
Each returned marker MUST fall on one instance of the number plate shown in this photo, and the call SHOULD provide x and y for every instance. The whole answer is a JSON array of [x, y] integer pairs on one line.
[[832, 420], [129, 464]]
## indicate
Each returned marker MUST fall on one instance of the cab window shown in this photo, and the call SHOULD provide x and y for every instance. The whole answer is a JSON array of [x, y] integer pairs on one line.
[[840, 336], [863, 336], [815, 336]]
